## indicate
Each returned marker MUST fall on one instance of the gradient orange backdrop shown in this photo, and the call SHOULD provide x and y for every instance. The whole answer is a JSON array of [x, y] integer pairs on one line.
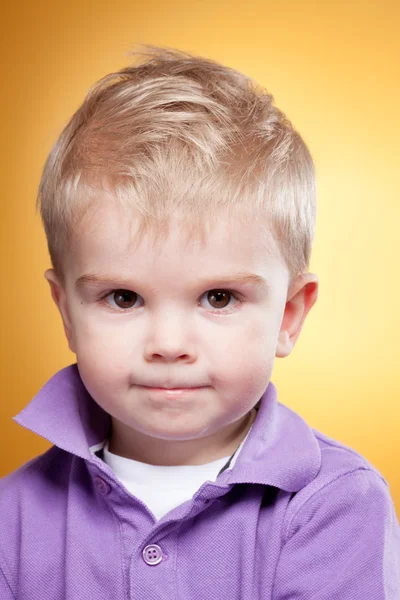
[[334, 69]]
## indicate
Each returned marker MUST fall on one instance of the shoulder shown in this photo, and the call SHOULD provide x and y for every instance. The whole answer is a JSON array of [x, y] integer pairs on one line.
[[31, 488], [346, 483], [338, 459], [340, 535], [28, 496], [44, 465]]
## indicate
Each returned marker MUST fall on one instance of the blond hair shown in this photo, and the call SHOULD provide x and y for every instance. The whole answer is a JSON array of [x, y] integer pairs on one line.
[[176, 133]]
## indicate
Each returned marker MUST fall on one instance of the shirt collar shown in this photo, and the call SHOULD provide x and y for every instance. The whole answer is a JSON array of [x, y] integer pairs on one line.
[[281, 449]]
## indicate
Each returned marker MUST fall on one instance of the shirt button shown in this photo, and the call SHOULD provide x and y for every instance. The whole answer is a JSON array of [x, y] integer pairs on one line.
[[152, 554], [102, 486]]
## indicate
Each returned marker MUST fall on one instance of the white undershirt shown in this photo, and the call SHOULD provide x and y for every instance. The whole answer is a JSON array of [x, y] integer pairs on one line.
[[163, 488]]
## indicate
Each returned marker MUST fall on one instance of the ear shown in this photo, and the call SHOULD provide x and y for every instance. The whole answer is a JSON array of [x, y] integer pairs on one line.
[[60, 298], [301, 298]]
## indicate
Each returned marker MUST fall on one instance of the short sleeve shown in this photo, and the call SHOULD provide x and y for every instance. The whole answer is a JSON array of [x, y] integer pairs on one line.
[[342, 544]]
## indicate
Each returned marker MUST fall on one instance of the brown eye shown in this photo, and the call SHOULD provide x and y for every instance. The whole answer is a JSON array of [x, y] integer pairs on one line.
[[124, 298], [218, 299], [221, 298]]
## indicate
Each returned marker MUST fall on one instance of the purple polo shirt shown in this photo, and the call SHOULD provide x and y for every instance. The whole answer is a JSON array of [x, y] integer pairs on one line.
[[299, 516]]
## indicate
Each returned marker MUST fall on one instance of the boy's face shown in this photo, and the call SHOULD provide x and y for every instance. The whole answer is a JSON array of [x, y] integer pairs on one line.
[[171, 329]]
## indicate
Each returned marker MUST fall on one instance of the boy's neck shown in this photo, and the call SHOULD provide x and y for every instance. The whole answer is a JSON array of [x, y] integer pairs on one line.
[[153, 451]]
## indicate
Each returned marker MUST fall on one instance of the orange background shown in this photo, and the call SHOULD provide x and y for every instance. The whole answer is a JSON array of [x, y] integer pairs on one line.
[[334, 69]]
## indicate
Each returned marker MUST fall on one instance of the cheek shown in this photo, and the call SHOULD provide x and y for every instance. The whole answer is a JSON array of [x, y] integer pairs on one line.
[[248, 355], [105, 354], [258, 337], [104, 374]]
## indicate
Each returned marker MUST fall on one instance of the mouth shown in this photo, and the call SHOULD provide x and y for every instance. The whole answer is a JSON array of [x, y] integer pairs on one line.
[[172, 391]]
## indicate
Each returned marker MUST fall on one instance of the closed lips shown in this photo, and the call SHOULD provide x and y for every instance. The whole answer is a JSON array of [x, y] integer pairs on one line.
[[178, 387], [175, 387]]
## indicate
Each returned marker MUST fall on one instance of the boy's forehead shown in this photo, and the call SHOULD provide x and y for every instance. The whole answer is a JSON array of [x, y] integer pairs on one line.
[[107, 242], [107, 223]]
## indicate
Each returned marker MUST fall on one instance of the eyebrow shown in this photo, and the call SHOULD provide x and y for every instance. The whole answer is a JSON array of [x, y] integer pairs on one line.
[[242, 278]]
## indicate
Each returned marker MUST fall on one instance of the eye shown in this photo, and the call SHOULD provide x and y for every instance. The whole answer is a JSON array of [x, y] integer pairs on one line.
[[123, 298], [218, 299]]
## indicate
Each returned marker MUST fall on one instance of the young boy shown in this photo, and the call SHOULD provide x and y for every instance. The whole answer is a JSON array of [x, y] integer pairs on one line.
[[179, 210]]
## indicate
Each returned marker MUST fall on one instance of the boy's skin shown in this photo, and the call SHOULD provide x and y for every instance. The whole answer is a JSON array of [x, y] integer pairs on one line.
[[174, 333]]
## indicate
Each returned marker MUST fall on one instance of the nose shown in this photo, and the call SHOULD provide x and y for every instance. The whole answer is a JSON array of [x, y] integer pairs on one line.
[[168, 352], [169, 355], [169, 342]]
